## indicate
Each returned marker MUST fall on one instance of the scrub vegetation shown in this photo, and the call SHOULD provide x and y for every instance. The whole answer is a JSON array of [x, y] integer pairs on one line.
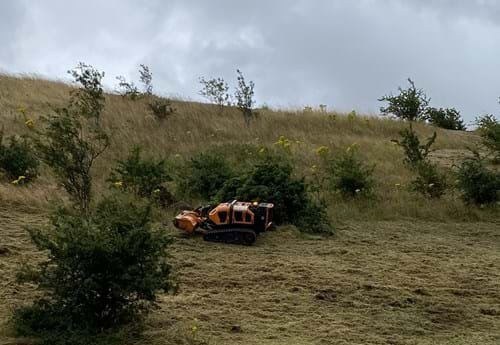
[[388, 230]]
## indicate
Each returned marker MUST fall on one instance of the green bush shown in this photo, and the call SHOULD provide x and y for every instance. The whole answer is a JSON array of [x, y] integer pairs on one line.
[[479, 185], [18, 160], [243, 96], [216, 91], [415, 152], [349, 174], [206, 173], [140, 176], [445, 118], [72, 138], [271, 179], [102, 272], [429, 181], [411, 104], [489, 130], [161, 108]]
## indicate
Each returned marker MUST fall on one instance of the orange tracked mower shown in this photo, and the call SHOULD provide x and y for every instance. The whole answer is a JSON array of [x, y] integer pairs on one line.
[[235, 222]]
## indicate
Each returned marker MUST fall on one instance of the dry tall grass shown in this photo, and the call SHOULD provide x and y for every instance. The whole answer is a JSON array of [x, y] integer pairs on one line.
[[197, 126]]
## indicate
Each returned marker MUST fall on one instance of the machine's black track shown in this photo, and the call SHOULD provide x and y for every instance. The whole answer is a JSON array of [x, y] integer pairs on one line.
[[232, 236]]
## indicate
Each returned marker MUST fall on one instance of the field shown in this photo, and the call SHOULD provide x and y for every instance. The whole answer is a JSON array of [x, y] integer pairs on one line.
[[400, 269]]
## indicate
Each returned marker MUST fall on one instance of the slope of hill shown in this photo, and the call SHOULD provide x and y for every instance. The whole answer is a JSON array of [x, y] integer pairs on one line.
[[401, 269]]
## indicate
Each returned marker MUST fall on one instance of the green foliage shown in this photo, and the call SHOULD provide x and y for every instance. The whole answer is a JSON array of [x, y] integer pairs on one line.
[[88, 99], [140, 176], [429, 181], [271, 179], [127, 89], [161, 108], [130, 90], [448, 118], [102, 271], [489, 129], [206, 173], [216, 91], [72, 138], [146, 78], [411, 103], [415, 151], [18, 159], [244, 97], [348, 174], [479, 185]]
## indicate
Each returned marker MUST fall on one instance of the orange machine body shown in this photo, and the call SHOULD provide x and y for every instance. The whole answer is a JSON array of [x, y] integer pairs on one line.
[[230, 222], [188, 221]]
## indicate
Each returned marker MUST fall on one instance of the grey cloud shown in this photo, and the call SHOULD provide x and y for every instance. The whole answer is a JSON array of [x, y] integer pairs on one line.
[[342, 53]]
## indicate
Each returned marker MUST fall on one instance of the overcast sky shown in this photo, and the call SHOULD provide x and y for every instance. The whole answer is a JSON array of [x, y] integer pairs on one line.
[[343, 53]]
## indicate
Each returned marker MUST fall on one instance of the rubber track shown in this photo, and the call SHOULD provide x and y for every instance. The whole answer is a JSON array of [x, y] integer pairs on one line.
[[232, 236]]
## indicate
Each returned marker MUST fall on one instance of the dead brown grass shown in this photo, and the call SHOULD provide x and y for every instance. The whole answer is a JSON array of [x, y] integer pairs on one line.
[[196, 126], [374, 283]]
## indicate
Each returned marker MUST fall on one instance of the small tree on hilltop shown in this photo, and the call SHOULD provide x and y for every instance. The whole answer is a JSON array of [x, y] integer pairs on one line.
[[88, 99], [445, 118], [489, 130], [146, 78], [216, 91], [244, 97], [411, 103]]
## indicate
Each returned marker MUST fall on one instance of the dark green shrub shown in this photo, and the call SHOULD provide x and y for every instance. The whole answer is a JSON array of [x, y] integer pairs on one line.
[[271, 180], [411, 104], [349, 174], [140, 176], [429, 181], [72, 138], [445, 118], [18, 160], [479, 185], [415, 152], [161, 108], [102, 272], [489, 129], [206, 173]]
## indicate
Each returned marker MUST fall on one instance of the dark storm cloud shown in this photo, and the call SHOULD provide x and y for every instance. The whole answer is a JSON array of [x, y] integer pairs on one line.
[[342, 53]]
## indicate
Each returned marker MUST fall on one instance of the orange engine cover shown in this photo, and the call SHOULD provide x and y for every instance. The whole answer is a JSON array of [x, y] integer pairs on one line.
[[187, 221]]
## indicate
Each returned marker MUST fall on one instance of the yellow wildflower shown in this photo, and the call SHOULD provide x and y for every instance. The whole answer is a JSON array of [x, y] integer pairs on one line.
[[21, 110], [322, 150], [262, 150], [283, 142], [29, 123], [118, 184], [194, 328], [351, 147], [156, 191]]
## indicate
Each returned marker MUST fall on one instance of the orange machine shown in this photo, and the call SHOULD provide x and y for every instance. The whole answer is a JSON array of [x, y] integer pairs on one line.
[[232, 222]]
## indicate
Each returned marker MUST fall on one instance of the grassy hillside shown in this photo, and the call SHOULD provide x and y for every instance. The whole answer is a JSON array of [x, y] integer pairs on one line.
[[197, 126], [401, 269]]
